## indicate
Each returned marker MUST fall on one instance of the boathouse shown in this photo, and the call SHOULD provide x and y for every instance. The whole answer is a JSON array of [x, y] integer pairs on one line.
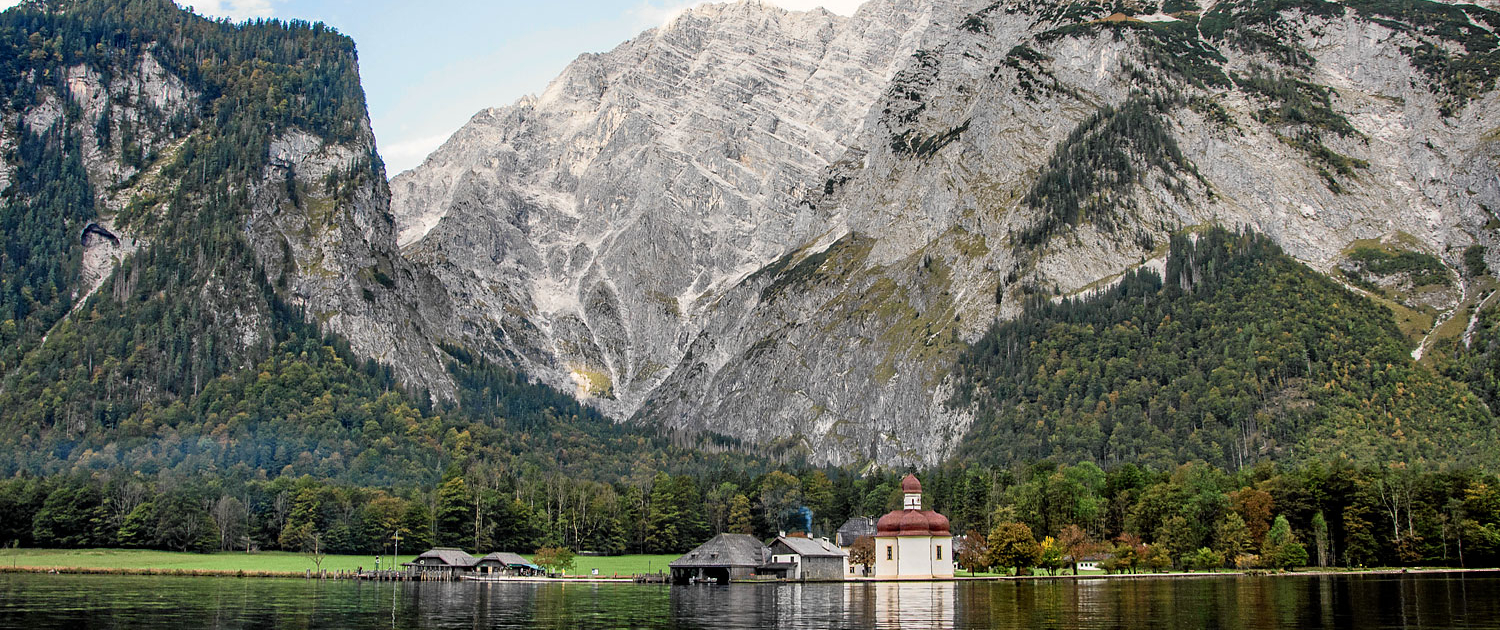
[[506, 563], [723, 558], [442, 561], [799, 558]]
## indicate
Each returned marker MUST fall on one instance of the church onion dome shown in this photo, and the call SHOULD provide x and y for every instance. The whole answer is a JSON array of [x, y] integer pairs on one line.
[[938, 524], [910, 485], [912, 523]]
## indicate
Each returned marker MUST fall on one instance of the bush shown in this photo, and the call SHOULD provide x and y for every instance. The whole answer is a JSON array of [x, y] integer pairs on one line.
[[1474, 260]]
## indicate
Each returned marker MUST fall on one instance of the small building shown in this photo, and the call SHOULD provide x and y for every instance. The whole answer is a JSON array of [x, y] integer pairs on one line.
[[798, 558], [723, 558], [912, 543], [850, 532], [852, 529], [1089, 562], [444, 561], [507, 564]]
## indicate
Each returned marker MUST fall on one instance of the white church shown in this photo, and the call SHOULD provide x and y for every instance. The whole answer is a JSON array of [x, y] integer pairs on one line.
[[912, 543]]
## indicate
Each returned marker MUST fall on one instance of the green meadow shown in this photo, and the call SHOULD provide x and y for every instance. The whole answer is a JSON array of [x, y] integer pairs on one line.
[[274, 561]]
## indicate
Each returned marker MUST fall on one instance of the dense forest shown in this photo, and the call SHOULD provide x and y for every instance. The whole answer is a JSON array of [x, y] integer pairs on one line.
[[1189, 516], [1196, 516], [1234, 355]]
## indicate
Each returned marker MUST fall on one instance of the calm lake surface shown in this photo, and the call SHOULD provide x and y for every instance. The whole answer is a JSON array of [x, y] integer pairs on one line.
[[1469, 600]]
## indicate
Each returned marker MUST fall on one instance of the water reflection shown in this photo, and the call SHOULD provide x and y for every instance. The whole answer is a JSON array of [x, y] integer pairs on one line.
[[912, 604], [1383, 601]]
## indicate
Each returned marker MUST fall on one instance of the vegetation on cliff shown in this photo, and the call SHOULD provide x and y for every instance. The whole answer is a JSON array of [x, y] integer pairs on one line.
[[1236, 354]]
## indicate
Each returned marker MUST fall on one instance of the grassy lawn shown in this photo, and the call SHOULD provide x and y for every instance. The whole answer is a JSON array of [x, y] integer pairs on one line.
[[609, 566], [275, 561], [147, 559], [1038, 573]]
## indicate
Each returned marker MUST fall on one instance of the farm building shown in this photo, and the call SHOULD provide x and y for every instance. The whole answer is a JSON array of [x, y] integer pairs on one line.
[[849, 533], [852, 529], [798, 558]]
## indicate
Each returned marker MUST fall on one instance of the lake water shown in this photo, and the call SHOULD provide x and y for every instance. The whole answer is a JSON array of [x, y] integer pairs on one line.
[[1469, 600]]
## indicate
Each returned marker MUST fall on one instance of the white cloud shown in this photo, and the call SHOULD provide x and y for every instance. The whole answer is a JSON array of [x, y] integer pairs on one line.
[[6, 4], [236, 10], [407, 153]]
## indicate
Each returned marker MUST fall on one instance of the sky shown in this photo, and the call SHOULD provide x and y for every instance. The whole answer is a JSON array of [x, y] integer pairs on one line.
[[428, 66]]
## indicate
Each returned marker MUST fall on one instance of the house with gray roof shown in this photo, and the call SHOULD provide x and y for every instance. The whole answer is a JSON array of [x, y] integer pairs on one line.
[[443, 561], [506, 563], [800, 558], [852, 529], [723, 558]]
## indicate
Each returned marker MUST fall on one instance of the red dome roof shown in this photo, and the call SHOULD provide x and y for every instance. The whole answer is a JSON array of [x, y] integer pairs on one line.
[[910, 485], [912, 523], [938, 524]]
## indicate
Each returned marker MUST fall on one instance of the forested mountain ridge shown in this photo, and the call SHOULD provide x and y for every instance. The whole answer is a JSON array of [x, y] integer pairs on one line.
[[235, 163], [1018, 149], [1233, 353]]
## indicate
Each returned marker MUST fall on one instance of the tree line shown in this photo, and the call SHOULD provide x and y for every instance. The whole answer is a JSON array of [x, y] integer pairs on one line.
[[1193, 516]]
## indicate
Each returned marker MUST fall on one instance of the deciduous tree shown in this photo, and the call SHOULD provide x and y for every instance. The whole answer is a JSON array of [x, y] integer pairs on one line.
[[1254, 506], [973, 554], [1012, 546], [554, 559], [863, 552], [1076, 544], [1281, 549]]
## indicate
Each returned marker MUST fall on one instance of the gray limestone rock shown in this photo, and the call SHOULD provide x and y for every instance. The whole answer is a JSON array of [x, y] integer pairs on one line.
[[784, 226]]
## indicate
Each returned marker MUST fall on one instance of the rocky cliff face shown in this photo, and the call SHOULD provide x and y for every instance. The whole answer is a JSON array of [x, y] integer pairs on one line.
[[322, 229], [316, 219], [783, 226], [585, 232]]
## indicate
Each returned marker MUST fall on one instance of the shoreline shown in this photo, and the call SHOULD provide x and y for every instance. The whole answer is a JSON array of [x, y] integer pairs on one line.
[[349, 575]]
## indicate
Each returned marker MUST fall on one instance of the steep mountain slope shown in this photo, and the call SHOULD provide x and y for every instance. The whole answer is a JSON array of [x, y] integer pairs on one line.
[[199, 274], [584, 232], [238, 167], [181, 198], [1018, 149]]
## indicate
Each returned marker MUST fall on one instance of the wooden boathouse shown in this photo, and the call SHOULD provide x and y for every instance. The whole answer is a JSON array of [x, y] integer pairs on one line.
[[722, 559], [442, 562]]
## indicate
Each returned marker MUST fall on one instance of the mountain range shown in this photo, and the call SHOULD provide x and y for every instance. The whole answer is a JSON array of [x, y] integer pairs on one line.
[[791, 231]]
